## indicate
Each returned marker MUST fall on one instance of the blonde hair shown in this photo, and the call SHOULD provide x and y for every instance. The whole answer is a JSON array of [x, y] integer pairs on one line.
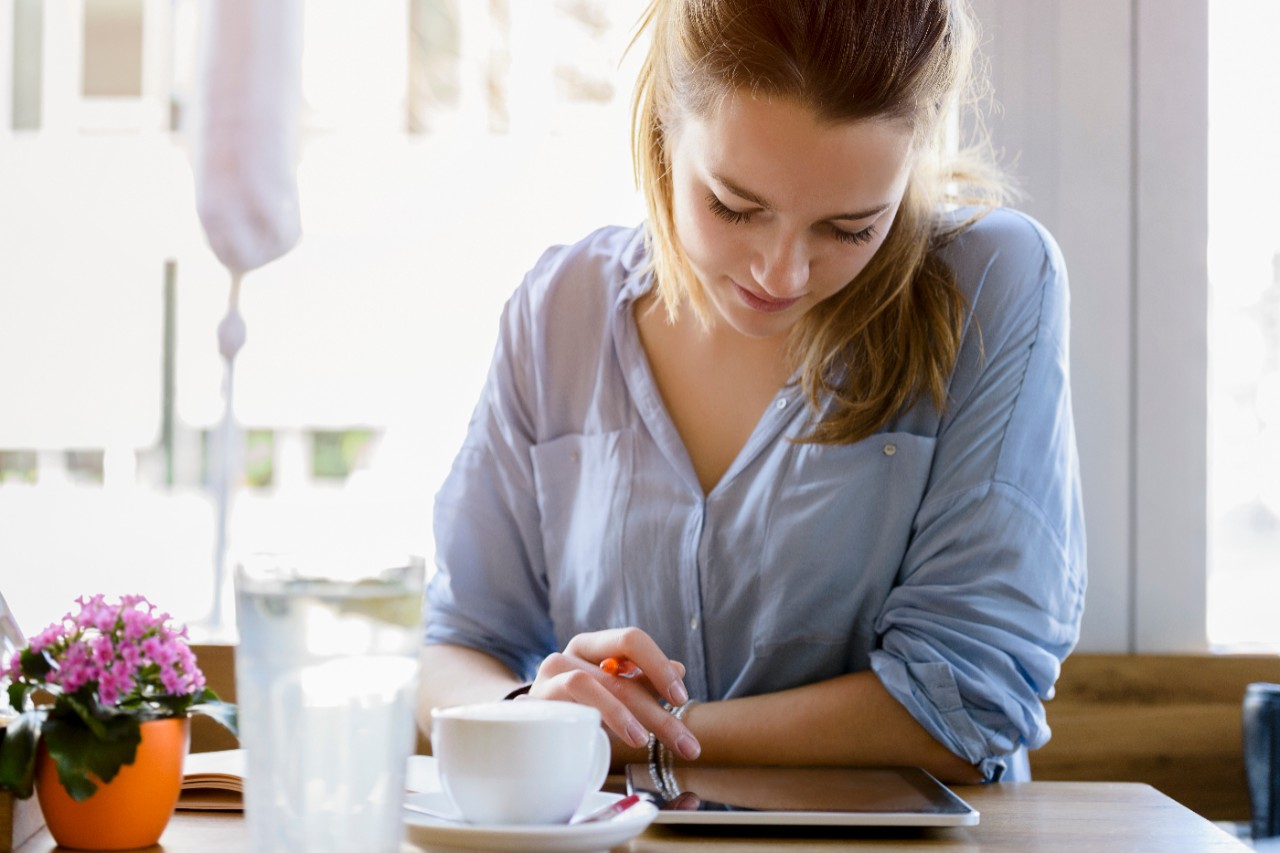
[[893, 334]]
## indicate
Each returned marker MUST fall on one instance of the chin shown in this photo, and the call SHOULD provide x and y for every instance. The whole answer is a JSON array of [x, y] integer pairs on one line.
[[751, 324]]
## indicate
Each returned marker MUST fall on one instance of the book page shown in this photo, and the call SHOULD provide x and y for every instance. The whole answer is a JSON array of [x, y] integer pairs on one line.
[[214, 781]]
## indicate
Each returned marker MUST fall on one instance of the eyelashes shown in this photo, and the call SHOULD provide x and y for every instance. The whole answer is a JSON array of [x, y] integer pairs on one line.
[[737, 217], [727, 214]]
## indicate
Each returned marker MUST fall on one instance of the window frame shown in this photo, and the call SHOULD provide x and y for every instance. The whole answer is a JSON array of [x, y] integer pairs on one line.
[[1104, 112]]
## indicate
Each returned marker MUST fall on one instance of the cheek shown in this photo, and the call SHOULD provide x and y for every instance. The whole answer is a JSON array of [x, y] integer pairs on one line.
[[704, 237], [842, 270]]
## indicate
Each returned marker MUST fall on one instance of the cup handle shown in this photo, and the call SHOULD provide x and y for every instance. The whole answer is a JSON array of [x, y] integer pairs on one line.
[[603, 755]]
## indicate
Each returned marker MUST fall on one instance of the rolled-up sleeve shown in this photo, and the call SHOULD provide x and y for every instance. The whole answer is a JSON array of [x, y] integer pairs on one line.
[[489, 591], [991, 589]]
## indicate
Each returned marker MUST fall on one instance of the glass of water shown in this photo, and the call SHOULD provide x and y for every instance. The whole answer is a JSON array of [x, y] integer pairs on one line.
[[326, 678]]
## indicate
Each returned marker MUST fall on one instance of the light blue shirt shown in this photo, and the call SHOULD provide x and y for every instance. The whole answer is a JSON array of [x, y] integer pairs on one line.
[[946, 552]]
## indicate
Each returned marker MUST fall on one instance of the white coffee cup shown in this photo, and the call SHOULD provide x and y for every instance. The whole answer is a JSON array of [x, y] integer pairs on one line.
[[523, 762]]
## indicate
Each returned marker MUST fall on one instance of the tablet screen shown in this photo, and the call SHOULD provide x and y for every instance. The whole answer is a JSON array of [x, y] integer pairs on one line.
[[836, 796]]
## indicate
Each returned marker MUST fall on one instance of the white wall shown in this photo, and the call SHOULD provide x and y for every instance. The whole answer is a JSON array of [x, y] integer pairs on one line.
[[1103, 116]]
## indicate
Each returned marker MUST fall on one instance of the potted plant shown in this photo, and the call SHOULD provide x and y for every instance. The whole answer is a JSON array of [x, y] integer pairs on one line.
[[104, 698]]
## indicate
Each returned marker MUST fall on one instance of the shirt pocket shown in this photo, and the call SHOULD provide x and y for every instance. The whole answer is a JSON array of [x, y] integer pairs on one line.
[[583, 485], [837, 535]]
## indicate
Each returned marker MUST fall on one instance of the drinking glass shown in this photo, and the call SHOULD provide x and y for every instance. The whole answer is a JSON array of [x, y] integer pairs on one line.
[[326, 677]]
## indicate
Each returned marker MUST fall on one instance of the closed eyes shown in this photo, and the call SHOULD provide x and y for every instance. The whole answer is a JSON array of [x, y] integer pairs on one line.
[[739, 217]]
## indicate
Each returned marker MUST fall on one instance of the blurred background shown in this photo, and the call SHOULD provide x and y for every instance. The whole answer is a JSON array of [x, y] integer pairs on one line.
[[445, 144]]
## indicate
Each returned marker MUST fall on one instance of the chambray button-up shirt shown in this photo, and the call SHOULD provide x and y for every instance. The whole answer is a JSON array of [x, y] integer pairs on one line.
[[946, 553]]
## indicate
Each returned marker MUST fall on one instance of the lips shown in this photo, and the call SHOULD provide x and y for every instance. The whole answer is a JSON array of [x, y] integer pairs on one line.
[[763, 303]]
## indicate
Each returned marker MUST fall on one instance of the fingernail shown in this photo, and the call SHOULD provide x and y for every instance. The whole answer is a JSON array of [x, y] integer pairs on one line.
[[678, 694], [688, 748], [636, 735]]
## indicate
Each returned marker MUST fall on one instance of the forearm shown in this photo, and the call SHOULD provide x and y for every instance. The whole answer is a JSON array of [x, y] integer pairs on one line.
[[850, 720], [457, 675]]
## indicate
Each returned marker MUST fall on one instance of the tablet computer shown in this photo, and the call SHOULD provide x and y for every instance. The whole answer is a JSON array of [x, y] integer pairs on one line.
[[800, 796]]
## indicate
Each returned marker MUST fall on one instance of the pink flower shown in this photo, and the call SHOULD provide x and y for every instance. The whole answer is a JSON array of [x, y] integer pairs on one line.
[[46, 638], [136, 624], [153, 648], [172, 681], [118, 650], [131, 654], [95, 613], [77, 670], [102, 649], [107, 694], [119, 680]]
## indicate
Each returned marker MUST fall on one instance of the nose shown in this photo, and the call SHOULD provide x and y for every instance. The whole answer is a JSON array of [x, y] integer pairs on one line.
[[781, 268]]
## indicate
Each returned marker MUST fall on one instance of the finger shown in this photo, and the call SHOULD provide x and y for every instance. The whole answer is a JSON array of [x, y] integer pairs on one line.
[[628, 708], [621, 667], [564, 678], [638, 647], [674, 733], [685, 801], [666, 726]]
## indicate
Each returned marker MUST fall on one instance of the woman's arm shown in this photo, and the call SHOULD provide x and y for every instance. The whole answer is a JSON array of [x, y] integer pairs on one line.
[[849, 720], [457, 675]]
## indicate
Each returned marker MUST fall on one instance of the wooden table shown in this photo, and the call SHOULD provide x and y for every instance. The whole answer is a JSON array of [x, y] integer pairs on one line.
[[1028, 817]]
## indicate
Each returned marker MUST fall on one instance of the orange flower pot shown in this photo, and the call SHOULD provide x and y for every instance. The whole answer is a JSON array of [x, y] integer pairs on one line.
[[134, 808]]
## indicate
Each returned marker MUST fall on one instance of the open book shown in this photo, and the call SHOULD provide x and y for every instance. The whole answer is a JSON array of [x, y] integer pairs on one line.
[[214, 781]]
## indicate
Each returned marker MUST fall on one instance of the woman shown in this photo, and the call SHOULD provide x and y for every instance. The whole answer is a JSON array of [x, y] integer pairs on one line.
[[800, 448]]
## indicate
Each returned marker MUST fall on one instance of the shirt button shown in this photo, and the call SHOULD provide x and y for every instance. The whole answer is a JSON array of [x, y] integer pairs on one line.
[[693, 624], [890, 449], [782, 404]]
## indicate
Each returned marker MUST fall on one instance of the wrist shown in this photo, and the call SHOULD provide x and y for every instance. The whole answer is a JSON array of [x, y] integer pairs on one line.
[[662, 761], [522, 690]]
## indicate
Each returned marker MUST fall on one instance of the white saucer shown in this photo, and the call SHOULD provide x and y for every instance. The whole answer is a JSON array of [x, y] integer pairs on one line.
[[443, 836]]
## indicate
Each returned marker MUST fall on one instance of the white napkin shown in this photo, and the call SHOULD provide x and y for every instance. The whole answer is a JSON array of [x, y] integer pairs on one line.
[[247, 126]]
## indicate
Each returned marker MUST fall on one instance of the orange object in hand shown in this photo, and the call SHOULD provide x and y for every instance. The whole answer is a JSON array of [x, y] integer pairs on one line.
[[622, 668]]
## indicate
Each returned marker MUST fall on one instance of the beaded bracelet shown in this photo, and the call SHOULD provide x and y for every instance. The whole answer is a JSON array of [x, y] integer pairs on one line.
[[662, 762]]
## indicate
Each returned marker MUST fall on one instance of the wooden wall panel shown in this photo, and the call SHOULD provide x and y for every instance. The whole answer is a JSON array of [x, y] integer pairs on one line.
[[1172, 721]]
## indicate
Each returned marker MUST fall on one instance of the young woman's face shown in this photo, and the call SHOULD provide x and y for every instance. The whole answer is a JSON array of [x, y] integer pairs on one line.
[[777, 211]]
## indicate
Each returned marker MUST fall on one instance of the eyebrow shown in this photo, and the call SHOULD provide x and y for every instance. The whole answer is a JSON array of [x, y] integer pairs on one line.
[[743, 192]]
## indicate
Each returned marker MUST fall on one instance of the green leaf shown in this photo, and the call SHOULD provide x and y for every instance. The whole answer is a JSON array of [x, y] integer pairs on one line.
[[169, 705], [18, 753], [83, 704], [18, 695], [35, 665], [79, 750], [224, 713]]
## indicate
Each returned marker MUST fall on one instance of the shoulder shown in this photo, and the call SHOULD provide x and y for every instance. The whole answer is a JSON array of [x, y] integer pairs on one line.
[[593, 269], [558, 325], [1005, 243], [1008, 266]]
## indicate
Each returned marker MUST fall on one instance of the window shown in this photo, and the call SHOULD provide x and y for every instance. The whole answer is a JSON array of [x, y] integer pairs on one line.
[[432, 158], [26, 62], [426, 192], [1103, 118], [112, 49], [1244, 324]]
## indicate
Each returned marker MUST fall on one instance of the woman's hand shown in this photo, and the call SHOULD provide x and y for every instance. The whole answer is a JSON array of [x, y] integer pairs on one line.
[[630, 705]]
